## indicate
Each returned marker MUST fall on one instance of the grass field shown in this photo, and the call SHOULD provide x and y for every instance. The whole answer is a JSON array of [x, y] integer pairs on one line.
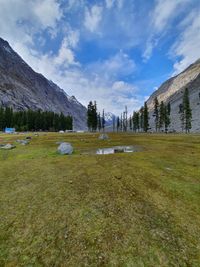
[[134, 209]]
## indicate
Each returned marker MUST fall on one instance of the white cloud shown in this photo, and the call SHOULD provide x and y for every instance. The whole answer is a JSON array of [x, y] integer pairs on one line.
[[118, 65], [163, 15], [93, 17], [165, 11], [110, 3], [65, 55], [20, 20], [151, 44], [187, 45], [48, 12]]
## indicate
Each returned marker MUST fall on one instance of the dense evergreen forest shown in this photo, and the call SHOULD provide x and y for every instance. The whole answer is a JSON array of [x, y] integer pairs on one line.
[[29, 120]]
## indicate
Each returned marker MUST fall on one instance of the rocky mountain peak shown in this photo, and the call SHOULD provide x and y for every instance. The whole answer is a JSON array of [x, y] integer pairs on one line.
[[23, 88]]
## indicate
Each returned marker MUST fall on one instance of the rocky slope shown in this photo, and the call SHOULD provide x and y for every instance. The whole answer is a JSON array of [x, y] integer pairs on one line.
[[172, 91], [22, 88]]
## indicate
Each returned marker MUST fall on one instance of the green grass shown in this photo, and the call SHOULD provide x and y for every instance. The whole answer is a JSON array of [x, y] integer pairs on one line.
[[135, 209]]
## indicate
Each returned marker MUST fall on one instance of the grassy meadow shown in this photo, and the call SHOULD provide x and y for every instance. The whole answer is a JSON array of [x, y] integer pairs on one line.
[[136, 209]]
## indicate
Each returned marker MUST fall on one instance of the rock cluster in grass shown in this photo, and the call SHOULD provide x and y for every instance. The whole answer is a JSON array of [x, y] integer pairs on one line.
[[23, 142], [103, 137], [65, 149], [7, 146]]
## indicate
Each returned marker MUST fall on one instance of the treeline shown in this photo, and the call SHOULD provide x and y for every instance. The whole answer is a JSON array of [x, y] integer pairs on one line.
[[30, 120], [139, 121], [94, 119]]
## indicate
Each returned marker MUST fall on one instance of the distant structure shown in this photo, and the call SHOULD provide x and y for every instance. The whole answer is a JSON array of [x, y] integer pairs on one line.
[[9, 130]]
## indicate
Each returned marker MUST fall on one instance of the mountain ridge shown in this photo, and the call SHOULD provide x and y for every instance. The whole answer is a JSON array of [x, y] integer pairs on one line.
[[172, 91], [23, 88]]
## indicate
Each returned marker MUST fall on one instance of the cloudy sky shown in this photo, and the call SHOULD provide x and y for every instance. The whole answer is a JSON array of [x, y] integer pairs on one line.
[[114, 51]]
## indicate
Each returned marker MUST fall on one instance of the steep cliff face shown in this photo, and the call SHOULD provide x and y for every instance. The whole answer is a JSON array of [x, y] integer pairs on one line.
[[22, 88], [172, 91]]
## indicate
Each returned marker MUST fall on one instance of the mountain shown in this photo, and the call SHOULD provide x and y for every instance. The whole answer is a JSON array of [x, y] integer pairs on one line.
[[109, 118], [22, 88], [172, 91]]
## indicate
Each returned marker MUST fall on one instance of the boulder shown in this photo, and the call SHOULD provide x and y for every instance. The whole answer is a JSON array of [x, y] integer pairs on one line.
[[65, 149], [7, 147], [103, 137]]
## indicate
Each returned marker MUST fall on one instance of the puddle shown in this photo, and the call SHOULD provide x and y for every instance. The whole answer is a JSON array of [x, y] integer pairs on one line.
[[116, 149]]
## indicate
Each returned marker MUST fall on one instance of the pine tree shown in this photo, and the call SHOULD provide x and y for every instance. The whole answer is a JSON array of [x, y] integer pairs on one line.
[[118, 123], [89, 116], [167, 120], [146, 117], [103, 121], [99, 122], [142, 118], [187, 111], [156, 113], [161, 115], [131, 123], [136, 122], [113, 122], [95, 117]]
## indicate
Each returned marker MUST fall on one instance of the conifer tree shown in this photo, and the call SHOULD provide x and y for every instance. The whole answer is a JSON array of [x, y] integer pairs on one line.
[[156, 113], [118, 123], [136, 121], [146, 117], [161, 115], [89, 115], [131, 123], [113, 122], [103, 120], [187, 111], [142, 118], [99, 122], [167, 120], [95, 119]]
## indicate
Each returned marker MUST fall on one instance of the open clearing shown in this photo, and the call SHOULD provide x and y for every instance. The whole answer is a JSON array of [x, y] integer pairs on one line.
[[129, 209]]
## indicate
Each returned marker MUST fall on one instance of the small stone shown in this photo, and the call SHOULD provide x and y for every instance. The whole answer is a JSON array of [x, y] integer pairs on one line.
[[103, 137]]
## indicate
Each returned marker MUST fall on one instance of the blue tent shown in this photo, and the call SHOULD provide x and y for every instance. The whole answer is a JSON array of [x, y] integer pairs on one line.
[[10, 130]]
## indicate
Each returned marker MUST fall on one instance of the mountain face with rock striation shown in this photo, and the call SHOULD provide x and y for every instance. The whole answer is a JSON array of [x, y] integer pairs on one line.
[[172, 91], [22, 88]]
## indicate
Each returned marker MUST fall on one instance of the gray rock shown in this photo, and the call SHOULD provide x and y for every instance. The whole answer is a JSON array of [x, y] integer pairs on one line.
[[65, 149], [103, 136], [7, 147], [23, 142]]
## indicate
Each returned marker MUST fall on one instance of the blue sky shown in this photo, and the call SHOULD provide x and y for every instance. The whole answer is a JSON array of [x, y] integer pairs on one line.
[[114, 51]]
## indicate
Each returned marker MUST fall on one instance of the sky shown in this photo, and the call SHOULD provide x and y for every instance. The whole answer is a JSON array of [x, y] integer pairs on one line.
[[116, 52]]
